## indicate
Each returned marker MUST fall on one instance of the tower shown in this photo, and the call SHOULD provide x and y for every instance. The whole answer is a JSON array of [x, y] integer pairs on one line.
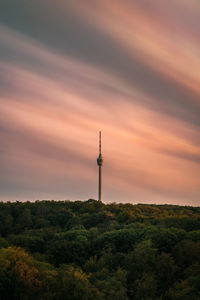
[[100, 163]]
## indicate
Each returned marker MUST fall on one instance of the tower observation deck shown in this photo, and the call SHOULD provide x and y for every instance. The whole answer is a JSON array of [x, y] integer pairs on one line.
[[100, 163]]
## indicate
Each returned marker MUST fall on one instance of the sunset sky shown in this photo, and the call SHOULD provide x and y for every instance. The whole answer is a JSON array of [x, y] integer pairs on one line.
[[130, 68]]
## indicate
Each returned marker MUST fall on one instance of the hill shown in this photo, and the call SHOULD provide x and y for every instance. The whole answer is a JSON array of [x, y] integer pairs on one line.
[[90, 250]]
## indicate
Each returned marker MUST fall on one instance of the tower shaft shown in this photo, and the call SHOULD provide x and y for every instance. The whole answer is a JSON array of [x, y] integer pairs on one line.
[[100, 185]]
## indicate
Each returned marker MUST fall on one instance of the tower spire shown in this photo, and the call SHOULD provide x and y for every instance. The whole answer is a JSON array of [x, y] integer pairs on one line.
[[100, 163], [99, 142]]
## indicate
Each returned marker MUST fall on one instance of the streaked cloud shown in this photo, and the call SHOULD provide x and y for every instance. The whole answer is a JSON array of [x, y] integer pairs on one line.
[[145, 98]]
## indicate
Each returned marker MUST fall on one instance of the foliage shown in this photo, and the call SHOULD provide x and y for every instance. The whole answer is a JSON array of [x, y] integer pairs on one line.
[[89, 250]]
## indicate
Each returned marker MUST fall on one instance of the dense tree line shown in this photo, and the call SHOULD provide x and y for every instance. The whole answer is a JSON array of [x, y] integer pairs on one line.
[[89, 250]]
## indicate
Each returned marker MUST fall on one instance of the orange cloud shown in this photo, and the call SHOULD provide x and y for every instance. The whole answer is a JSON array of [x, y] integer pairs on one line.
[[54, 106]]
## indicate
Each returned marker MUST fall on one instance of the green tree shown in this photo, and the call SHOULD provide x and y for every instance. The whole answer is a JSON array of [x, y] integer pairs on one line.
[[25, 219], [145, 288], [75, 285], [165, 272], [18, 274]]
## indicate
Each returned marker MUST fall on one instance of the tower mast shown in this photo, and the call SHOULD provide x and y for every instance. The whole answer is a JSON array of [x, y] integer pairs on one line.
[[100, 163]]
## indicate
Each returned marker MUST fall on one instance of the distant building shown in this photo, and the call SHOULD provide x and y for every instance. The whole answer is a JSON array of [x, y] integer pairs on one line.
[[100, 163]]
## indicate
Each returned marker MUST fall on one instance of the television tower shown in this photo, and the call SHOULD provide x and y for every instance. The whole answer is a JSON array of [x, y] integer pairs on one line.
[[100, 163]]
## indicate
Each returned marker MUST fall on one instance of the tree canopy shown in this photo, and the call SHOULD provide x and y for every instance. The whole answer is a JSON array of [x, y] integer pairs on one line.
[[89, 250]]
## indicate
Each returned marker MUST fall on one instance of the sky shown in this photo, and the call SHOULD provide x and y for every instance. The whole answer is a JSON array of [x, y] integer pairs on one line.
[[130, 68]]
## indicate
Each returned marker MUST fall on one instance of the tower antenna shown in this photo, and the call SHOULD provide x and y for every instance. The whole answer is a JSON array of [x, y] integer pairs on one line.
[[99, 142]]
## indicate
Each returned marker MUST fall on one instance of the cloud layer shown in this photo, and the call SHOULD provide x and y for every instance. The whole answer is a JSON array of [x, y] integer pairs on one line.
[[125, 67]]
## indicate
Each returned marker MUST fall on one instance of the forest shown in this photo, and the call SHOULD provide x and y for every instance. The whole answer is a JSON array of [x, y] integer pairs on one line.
[[87, 250]]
